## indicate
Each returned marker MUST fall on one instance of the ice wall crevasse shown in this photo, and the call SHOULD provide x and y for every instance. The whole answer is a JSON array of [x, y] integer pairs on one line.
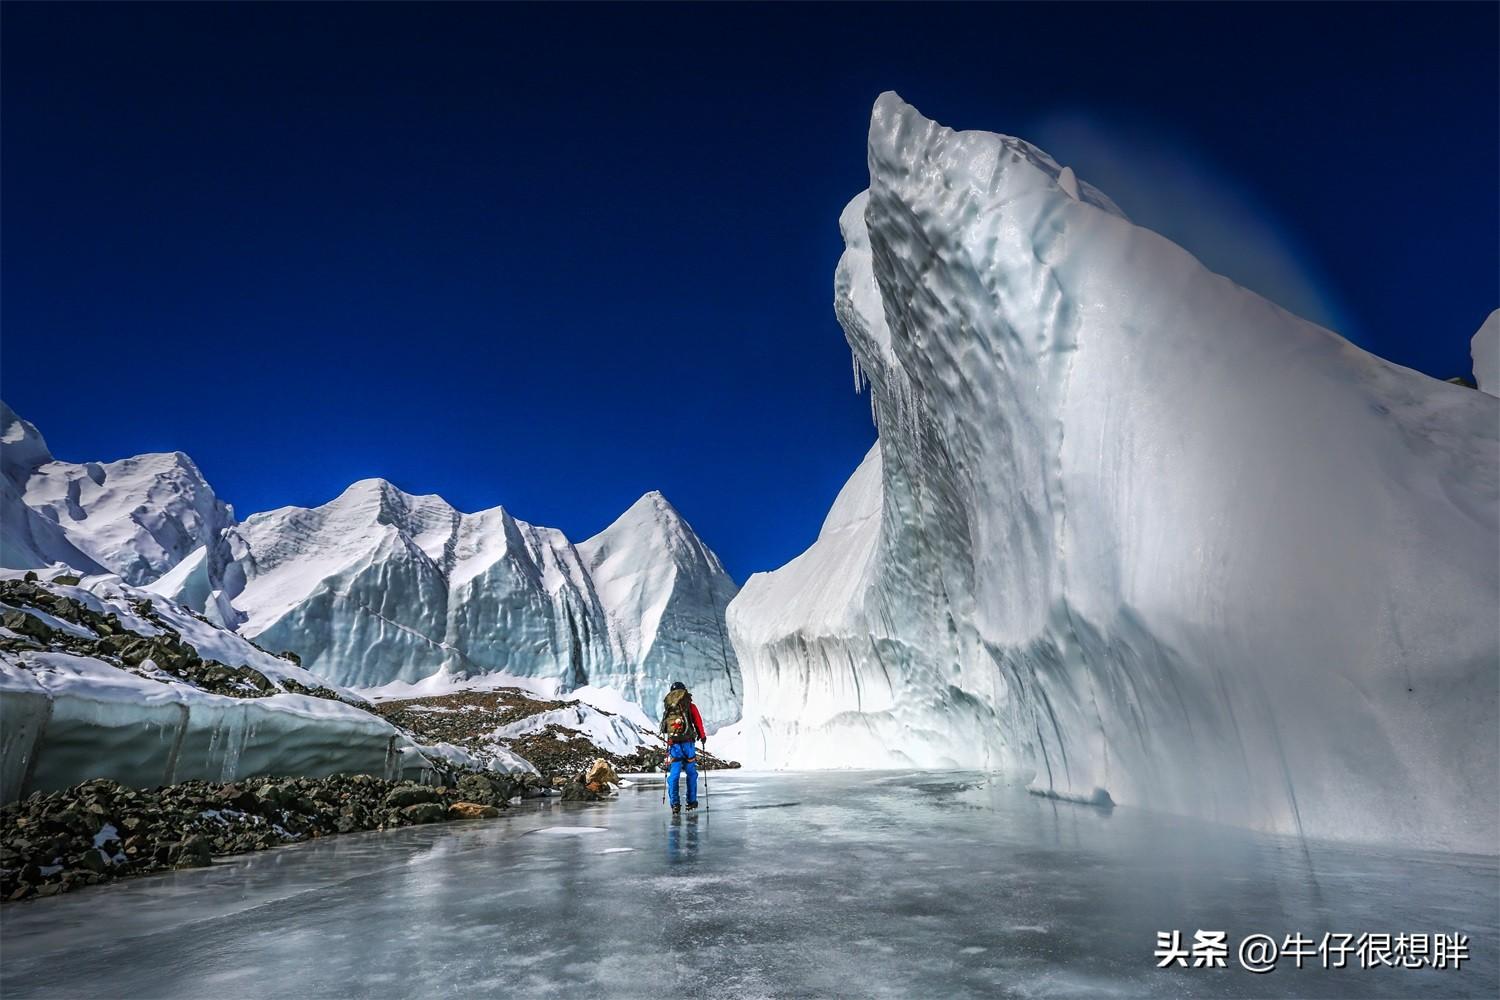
[[1131, 527]]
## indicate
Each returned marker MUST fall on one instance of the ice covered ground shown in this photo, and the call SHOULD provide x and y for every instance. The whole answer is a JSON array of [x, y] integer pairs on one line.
[[1132, 528], [879, 884]]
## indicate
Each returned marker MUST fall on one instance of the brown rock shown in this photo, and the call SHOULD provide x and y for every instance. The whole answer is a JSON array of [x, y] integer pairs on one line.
[[471, 810], [600, 773]]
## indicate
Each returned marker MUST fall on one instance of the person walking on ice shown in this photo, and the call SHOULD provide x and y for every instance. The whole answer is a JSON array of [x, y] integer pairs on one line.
[[683, 727]]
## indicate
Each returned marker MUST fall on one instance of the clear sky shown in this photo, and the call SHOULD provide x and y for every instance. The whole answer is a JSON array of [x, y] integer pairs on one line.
[[555, 257]]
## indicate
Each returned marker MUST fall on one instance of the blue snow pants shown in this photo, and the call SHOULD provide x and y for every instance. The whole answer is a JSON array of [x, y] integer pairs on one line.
[[682, 757]]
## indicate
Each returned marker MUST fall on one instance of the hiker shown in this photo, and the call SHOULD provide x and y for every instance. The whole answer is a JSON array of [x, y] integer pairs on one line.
[[683, 727]]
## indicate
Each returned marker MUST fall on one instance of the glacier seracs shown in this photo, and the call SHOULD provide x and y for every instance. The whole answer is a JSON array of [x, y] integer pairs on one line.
[[1132, 528], [378, 586], [379, 589]]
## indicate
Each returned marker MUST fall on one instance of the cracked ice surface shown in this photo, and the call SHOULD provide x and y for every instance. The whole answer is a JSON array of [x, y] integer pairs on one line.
[[882, 884]]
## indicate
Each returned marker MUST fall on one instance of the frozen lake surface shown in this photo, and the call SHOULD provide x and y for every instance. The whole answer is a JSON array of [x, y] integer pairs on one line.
[[866, 884]]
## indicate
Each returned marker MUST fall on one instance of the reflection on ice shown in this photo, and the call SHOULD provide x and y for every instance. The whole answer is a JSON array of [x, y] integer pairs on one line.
[[570, 831], [912, 884]]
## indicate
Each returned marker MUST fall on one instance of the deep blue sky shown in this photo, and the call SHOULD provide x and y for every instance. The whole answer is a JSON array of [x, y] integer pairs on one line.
[[556, 257]]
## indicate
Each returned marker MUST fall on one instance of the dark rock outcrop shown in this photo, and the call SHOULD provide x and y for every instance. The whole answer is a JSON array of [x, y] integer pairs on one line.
[[101, 830]]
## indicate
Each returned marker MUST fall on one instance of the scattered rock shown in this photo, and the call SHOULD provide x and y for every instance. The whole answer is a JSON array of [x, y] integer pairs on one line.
[[410, 795], [113, 643], [100, 830], [600, 775], [577, 791], [468, 719], [425, 812], [194, 852], [28, 625]]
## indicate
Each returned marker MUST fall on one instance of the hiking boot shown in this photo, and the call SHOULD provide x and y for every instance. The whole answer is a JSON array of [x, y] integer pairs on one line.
[[692, 805], [677, 810]]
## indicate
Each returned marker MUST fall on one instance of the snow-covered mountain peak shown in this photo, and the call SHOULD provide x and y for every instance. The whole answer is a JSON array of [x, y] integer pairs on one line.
[[379, 586], [651, 517], [22, 447], [136, 517], [654, 577]]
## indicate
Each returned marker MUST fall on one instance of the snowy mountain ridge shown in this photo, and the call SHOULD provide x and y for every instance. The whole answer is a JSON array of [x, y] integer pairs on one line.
[[1132, 529], [379, 587], [136, 518], [663, 593]]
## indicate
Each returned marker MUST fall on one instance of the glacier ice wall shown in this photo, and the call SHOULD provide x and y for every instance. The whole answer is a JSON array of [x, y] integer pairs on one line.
[[379, 587], [1485, 350], [66, 718], [1131, 527]]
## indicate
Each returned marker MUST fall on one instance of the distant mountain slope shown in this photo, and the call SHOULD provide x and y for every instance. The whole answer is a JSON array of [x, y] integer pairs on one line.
[[379, 588], [136, 518], [664, 593]]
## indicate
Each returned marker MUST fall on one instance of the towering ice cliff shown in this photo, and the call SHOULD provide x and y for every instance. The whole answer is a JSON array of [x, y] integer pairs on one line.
[[1132, 528], [378, 588], [1485, 350]]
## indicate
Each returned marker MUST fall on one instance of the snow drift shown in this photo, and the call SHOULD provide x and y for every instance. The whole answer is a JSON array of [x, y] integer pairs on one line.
[[1132, 527]]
